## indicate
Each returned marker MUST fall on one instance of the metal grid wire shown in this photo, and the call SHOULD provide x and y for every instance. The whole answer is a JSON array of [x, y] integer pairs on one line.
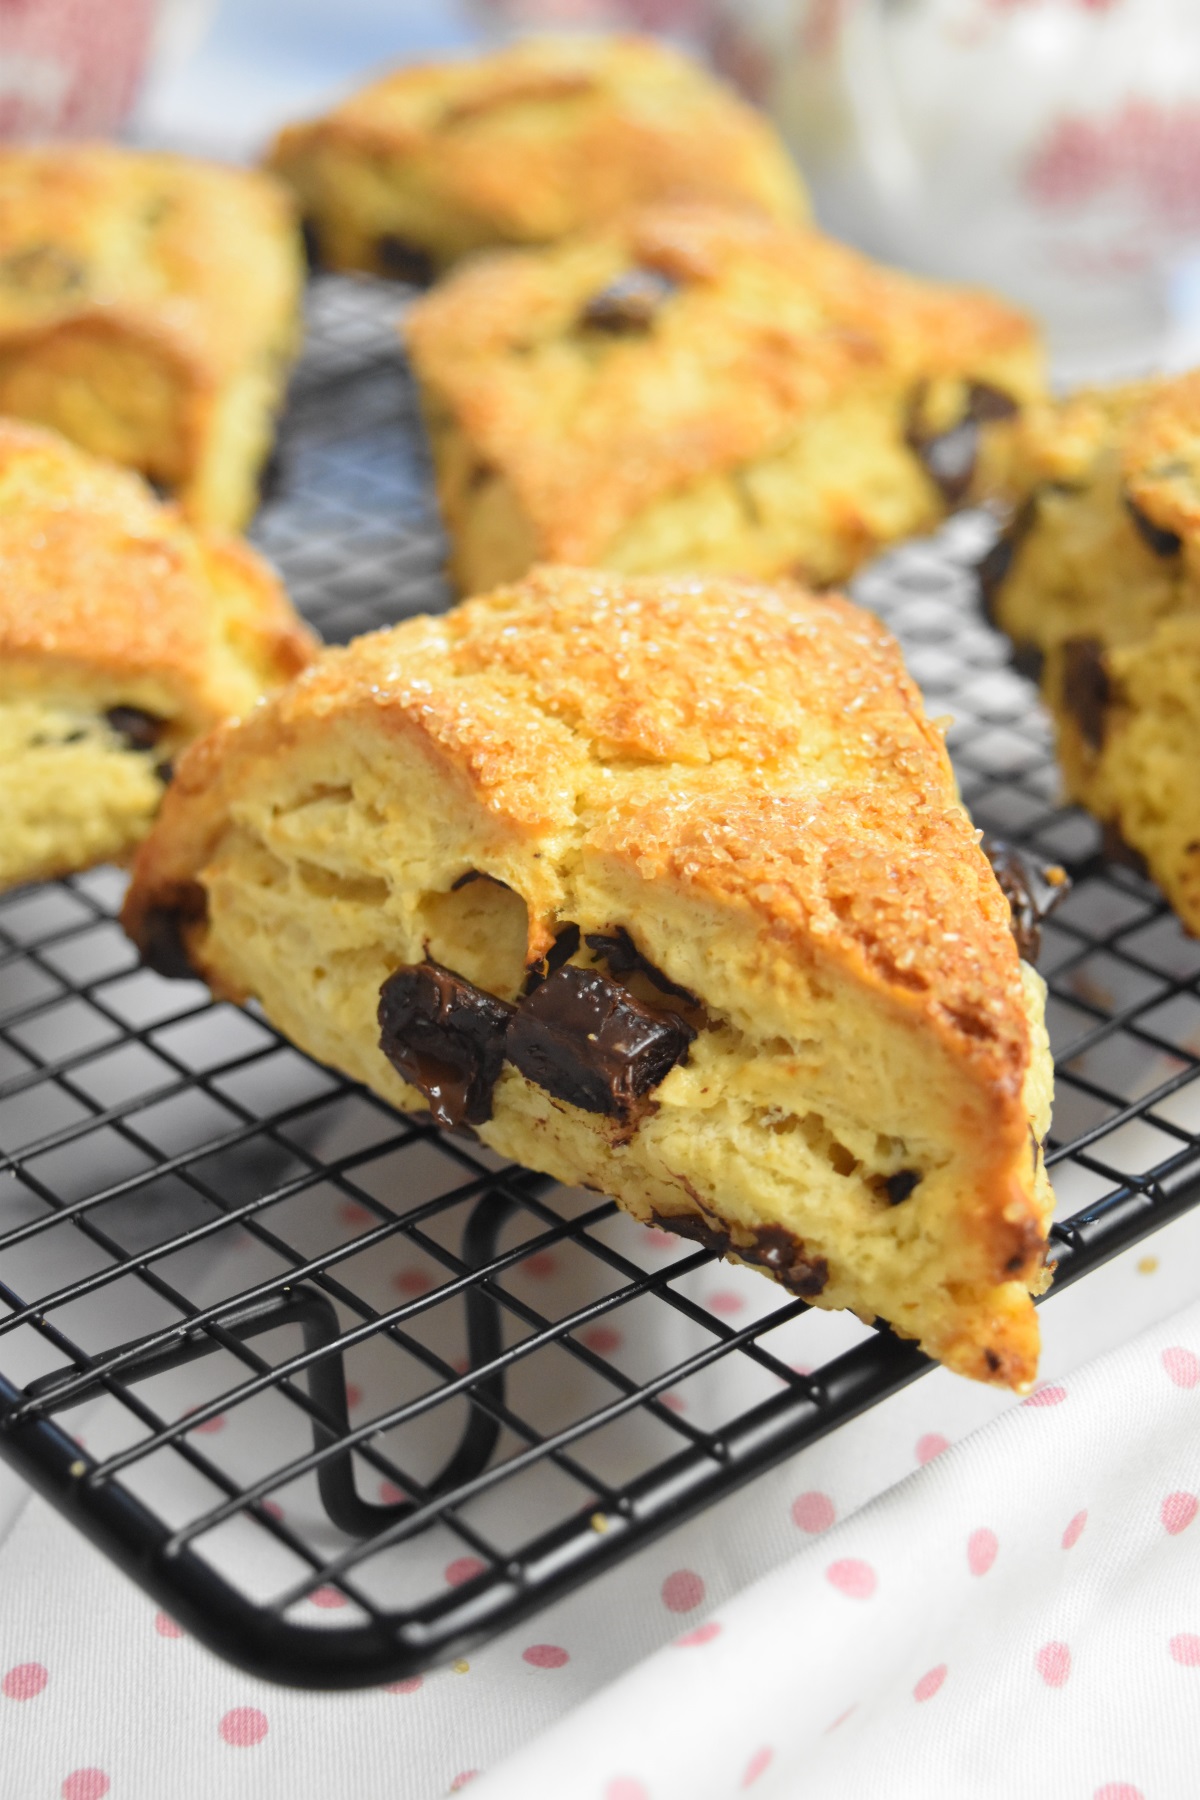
[[348, 1395]]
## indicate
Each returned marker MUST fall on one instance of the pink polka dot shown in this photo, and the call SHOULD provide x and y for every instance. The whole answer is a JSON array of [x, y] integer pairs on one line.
[[1046, 1396], [674, 1402], [1074, 1531], [1118, 1790], [244, 1726], [545, 1656], [931, 1445], [85, 1784], [353, 1395], [982, 1548], [725, 1301], [758, 1765], [683, 1591], [351, 1213], [328, 1597], [703, 1634], [411, 1684], [541, 1265], [1186, 1649], [390, 1494], [654, 1239], [851, 1577], [625, 1788], [207, 1427], [411, 1282], [929, 1683], [1053, 1664], [1183, 1366], [25, 1682], [165, 1626], [460, 1781], [1178, 1511], [463, 1568], [601, 1338], [813, 1511]]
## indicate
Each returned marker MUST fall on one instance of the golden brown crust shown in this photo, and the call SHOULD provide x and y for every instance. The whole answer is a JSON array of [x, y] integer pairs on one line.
[[100, 582], [527, 144], [769, 328], [192, 269]]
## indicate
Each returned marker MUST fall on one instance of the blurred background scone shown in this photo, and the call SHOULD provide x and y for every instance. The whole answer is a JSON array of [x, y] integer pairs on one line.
[[1097, 581], [123, 634], [693, 387], [707, 931], [525, 145], [149, 310]]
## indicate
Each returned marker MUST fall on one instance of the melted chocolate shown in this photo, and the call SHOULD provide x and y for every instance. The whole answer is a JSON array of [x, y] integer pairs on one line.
[[445, 1036], [1033, 889], [160, 934], [630, 304], [1155, 537], [588, 1042], [772, 1247], [900, 1185], [1086, 688], [624, 958], [403, 261], [948, 457], [141, 730]]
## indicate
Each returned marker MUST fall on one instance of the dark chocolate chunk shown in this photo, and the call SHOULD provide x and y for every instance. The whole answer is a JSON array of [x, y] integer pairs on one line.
[[948, 457], [992, 569], [1033, 889], [1086, 688], [43, 270], [624, 958], [312, 246], [160, 933], [691, 1225], [404, 261], [900, 1185], [141, 730], [630, 304], [446, 1038], [786, 1256], [566, 943], [587, 1041], [165, 772], [1155, 537]]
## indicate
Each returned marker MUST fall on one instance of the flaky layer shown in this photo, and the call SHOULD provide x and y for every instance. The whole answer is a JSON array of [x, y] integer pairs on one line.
[[742, 780], [524, 145], [149, 311]]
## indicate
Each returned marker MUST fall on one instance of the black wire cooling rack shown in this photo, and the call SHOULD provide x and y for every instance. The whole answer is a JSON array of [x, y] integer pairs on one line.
[[348, 1396]]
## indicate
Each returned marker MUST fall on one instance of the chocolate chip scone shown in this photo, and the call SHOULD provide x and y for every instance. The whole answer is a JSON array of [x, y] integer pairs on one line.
[[123, 635], [662, 887], [694, 388], [1097, 581], [524, 145], [149, 310]]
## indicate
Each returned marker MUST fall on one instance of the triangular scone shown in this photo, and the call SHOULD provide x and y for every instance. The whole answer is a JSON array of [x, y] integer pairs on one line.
[[124, 634], [663, 887]]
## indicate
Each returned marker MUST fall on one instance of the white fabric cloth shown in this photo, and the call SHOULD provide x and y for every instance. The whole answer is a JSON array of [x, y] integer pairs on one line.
[[1068, 1671]]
